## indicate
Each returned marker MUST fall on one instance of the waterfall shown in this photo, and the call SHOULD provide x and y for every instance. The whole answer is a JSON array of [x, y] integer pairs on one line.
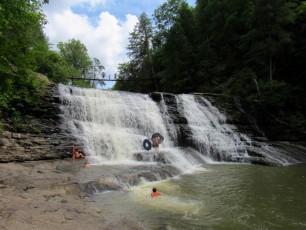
[[210, 133], [110, 126]]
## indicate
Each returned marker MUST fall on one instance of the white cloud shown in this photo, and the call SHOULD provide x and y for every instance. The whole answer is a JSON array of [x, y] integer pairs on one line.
[[106, 40], [66, 25]]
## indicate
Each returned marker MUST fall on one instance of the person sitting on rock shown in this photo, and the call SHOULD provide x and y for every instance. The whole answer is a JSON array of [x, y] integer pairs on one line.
[[77, 154], [155, 193]]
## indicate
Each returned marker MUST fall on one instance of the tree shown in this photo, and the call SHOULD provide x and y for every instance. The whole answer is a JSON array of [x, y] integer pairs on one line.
[[220, 25], [265, 40], [55, 67], [21, 38], [174, 37], [20, 22], [96, 71], [139, 52], [75, 54], [164, 17], [126, 76]]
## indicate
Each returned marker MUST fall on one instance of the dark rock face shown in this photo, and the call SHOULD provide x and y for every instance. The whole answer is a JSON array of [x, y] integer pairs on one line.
[[147, 156], [235, 113], [40, 137]]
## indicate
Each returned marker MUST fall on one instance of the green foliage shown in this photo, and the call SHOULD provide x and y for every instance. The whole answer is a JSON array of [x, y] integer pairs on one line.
[[177, 62], [164, 17], [20, 39], [22, 94], [140, 68], [19, 24], [298, 122], [273, 94], [243, 83], [76, 63], [170, 51], [55, 67], [21, 43], [75, 53]]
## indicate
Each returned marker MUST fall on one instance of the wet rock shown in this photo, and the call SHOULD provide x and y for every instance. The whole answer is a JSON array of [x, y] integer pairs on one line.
[[93, 187], [109, 184], [38, 138]]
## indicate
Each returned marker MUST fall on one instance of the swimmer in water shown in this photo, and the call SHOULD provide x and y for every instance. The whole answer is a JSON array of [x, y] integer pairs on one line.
[[86, 165], [155, 193]]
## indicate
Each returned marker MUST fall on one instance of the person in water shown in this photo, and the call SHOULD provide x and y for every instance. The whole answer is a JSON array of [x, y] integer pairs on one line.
[[155, 193], [86, 165]]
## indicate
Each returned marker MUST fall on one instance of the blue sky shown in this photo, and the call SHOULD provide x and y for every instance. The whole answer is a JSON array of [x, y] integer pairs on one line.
[[103, 26]]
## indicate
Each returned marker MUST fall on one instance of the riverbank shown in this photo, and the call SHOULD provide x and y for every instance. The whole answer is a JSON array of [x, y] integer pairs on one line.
[[36, 195]]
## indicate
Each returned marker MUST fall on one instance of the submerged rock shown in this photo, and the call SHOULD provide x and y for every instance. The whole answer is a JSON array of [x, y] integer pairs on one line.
[[101, 185], [147, 156]]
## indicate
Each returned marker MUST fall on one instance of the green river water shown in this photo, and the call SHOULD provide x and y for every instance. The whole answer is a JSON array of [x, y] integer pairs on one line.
[[217, 196]]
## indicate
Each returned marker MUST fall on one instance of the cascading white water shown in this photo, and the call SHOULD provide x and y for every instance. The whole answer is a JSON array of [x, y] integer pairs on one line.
[[111, 124], [172, 128], [210, 132]]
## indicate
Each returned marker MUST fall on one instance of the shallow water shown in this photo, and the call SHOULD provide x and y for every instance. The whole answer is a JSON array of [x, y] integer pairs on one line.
[[217, 196]]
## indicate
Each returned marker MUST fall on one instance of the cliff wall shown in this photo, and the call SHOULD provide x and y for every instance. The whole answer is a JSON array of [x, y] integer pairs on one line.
[[38, 137]]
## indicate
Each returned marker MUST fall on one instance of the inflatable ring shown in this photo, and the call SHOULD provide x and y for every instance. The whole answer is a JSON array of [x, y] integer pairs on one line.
[[147, 144]]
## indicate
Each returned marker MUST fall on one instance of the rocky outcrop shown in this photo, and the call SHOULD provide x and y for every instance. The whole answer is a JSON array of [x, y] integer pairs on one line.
[[37, 138]]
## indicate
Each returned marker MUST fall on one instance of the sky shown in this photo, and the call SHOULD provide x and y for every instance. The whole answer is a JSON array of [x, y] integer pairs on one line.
[[103, 26]]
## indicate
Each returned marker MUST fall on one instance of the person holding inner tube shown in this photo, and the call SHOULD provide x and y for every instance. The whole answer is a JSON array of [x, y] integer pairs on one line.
[[156, 140], [155, 143]]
